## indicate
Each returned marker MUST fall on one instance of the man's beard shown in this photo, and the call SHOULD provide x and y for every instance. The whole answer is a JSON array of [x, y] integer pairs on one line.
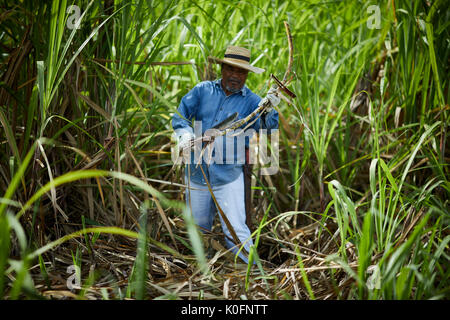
[[232, 90], [235, 88]]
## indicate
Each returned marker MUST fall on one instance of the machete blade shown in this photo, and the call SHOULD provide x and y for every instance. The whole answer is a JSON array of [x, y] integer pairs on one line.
[[225, 123]]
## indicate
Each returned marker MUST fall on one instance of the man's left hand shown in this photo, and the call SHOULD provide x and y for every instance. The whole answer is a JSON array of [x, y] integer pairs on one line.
[[272, 97]]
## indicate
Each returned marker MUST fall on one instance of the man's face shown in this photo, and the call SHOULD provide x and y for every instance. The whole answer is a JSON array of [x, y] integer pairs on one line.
[[233, 78]]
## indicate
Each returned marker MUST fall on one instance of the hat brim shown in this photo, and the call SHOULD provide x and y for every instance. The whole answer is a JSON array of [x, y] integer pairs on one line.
[[237, 64]]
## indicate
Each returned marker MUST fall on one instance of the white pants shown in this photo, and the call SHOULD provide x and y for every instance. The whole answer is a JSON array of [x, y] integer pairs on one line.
[[231, 200]]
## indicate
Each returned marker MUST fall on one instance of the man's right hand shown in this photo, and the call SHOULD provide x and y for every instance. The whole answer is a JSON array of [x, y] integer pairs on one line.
[[185, 141]]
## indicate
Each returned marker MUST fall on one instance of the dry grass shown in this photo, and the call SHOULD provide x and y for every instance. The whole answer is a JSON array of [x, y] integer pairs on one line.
[[358, 209]]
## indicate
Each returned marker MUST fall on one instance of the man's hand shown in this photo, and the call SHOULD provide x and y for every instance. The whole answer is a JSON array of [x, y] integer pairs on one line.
[[185, 141], [272, 97], [207, 138]]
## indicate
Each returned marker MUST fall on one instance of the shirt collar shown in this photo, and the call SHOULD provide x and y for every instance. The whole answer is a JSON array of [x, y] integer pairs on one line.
[[243, 90]]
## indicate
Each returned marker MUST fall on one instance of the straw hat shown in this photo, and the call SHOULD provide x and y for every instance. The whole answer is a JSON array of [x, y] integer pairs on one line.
[[238, 57]]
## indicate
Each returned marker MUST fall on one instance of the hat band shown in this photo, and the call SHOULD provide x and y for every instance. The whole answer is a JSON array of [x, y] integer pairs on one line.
[[237, 56]]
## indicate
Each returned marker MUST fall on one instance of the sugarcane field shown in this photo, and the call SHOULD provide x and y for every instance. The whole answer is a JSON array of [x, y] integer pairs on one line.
[[231, 151]]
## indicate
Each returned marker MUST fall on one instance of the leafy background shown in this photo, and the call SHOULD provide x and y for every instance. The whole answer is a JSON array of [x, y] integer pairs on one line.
[[358, 209]]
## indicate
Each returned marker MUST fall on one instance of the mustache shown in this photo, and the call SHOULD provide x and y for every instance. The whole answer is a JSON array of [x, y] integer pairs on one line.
[[234, 80]]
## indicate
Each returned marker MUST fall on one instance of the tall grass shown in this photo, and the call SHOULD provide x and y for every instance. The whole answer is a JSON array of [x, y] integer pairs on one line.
[[360, 203]]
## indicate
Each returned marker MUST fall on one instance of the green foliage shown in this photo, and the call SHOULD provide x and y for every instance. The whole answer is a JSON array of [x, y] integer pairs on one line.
[[85, 126]]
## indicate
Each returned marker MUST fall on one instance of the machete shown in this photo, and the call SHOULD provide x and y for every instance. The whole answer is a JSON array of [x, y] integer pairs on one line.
[[220, 126], [225, 123]]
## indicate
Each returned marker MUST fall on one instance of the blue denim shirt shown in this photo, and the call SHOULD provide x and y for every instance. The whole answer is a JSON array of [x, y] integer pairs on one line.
[[208, 103]]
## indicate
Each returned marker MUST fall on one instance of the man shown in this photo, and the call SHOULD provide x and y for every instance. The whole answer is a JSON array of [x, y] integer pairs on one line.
[[210, 103]]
